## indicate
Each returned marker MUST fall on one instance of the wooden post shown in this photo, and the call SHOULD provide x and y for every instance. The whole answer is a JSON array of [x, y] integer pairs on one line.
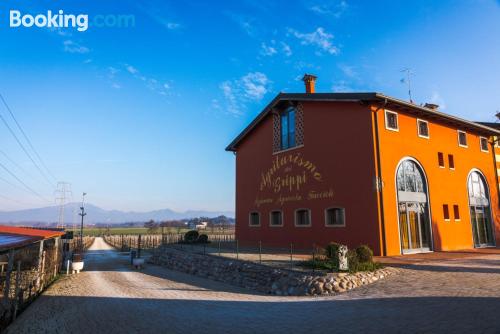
[[39, 266]]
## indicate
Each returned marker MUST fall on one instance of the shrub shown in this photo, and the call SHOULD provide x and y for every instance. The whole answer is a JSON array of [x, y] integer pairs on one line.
[[191, 236], [202, 239], [332, 250], [364, 253], [352, 260]]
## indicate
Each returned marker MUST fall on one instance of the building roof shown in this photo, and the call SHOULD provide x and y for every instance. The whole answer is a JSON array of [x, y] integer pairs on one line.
[[13, 237], [371, 97]]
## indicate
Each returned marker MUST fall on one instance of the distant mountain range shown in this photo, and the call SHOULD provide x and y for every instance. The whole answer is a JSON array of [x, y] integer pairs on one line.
[[95, 215]]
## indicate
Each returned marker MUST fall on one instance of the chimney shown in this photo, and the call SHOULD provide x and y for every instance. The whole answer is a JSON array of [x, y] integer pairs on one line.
[[431, 106], [309, 81]]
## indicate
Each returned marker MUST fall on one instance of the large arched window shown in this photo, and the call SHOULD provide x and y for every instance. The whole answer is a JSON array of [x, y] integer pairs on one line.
[[480, 213], [413, 208]]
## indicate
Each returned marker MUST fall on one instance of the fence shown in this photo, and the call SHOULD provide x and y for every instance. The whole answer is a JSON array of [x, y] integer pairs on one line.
[[225, 245], [25, 272], [150, 241]]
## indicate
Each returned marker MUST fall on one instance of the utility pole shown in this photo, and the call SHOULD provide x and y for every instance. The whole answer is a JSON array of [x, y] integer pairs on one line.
[[82, 214], [407, 80], [62, 193]]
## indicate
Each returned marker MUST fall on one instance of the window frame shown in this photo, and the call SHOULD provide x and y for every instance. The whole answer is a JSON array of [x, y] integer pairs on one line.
[[481, 144], [309, 214], [441, 159], [343, 216], [456, 209], [451, 162], [271, 218], [418, 129], [446, 212], [250, 219], [288, 134], [387, 123], [466, 140]]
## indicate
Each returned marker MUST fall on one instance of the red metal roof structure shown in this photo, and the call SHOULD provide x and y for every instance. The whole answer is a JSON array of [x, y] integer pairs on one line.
[[13, 237]]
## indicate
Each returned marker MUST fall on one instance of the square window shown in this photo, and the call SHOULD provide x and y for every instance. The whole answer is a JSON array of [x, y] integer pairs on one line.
[[303, 217], [456, 212], [446, 212], [423, 128], [335, 217], [483, 142], [441, 159], [276, 218], [451, 161], [462, 138], [254, 219], [391, 120]]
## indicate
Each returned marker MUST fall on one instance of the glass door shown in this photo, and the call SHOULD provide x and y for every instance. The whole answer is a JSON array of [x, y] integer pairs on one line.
[[481, 227], [413, 227]]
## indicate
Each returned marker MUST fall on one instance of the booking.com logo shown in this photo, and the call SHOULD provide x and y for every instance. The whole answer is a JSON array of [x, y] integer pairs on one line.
[[59, 19]]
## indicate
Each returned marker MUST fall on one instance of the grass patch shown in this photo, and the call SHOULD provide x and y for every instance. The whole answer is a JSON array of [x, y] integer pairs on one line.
[[330, 266]]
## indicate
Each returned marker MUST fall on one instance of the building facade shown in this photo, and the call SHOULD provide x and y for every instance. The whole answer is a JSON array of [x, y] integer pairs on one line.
[[365, 168]]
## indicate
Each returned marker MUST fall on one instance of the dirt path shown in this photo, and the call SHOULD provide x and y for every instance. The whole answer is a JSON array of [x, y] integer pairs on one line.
[[109, 297]]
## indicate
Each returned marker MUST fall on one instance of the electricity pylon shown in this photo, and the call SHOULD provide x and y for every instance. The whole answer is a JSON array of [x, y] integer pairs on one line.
[[63, 192]]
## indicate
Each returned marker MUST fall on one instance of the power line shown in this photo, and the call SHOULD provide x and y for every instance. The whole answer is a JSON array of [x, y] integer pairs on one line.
[[24, 184], [25, 151], [16, 164], [26, 137]]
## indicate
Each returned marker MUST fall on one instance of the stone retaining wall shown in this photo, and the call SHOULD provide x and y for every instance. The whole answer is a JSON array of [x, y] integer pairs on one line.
[[263, 278]]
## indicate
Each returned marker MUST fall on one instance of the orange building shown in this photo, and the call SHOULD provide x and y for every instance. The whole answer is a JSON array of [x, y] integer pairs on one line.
[[365, 168]]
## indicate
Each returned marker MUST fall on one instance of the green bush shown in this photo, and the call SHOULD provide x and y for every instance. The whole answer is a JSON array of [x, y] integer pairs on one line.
[[364, 253], [332, 250], [352, 260], [202, 239], [191, 236]]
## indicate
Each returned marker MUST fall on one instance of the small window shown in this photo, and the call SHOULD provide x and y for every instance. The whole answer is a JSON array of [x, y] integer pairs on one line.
[[303, 217], [456, 213], [391, 120], [276, 218], [446, 212], [451, 161], [441, 159], [495, 140], [254, 219], [483, 142], [335, 217], [462, 139], [423, 128]]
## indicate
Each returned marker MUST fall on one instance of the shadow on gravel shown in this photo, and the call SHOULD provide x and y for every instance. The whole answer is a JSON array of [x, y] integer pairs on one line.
[[456, 269], [388, 315]]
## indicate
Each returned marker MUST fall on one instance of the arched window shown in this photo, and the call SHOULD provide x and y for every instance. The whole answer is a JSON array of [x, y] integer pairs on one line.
[[413, 208], [480, 213]]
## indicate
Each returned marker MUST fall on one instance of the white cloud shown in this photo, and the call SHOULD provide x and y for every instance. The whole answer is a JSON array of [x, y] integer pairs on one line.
[[115, 85], [131, 69], [238, 93], [348, 71], [332, 8], [267, 50], [341, 87], [172, 25], [286, 49], [166, 86], [255, 85], [319, 38], [73, 47], [436, 98]]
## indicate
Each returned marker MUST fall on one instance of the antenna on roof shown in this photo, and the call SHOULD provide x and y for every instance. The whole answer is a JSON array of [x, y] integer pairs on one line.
[[497, 115], [407, 80]]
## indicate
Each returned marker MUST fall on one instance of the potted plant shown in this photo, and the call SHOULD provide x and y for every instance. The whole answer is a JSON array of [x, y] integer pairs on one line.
[[77, 263]]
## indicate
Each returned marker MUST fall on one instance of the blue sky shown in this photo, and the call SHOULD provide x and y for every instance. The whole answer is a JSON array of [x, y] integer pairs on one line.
[[139, 116]]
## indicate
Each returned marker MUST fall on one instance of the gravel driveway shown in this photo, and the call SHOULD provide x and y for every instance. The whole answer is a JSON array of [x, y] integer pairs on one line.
[[452, 295]]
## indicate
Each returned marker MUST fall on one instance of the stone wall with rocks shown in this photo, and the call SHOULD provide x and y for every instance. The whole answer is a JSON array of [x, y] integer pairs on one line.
[[263, 278]]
